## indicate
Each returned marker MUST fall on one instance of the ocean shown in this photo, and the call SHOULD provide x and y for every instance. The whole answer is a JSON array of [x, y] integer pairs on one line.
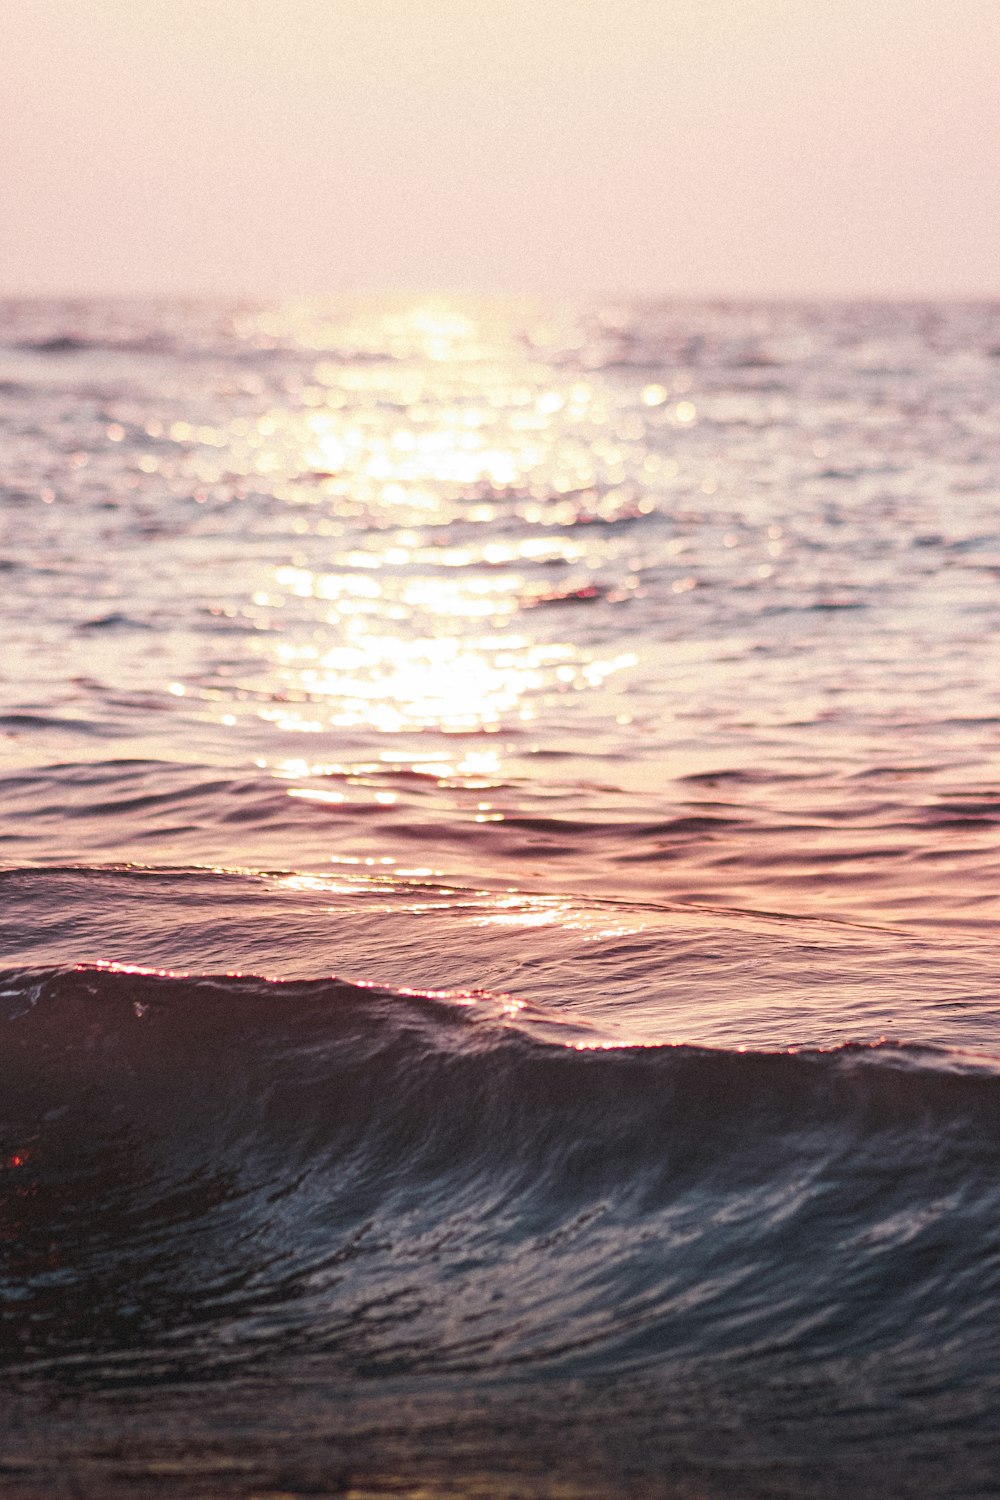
[[499, 870]]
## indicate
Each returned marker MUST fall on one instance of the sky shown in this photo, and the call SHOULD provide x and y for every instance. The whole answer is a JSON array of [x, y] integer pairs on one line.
[[567, 147]]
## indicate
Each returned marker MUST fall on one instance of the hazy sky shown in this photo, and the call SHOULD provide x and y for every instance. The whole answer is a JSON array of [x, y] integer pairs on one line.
[[662, 146]]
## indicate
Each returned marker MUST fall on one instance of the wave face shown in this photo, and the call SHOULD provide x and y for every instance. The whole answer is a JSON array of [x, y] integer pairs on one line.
[[765, 1258]]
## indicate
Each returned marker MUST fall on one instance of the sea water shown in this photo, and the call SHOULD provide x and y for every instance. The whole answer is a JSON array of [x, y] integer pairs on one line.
[[499, 829]]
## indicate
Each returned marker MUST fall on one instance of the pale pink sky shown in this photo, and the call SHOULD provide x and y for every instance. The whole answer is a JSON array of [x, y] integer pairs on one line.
[[760, 147]]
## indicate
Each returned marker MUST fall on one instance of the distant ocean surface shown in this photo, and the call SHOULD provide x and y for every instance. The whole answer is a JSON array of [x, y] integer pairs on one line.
[[499, 900]]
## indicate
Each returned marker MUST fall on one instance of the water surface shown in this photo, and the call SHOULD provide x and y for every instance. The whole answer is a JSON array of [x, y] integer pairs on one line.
[[498, 821]]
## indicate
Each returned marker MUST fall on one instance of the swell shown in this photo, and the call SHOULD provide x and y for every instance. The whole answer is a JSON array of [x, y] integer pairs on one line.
[[725, 838], [200, 1174]]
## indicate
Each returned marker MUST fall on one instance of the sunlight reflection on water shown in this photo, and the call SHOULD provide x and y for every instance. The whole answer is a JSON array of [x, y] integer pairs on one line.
[[713, 588]]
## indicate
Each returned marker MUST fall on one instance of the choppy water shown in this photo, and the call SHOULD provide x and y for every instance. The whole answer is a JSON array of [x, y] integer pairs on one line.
[[608, 699]]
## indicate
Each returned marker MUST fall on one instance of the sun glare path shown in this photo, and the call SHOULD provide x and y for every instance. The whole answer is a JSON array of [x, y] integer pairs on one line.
[[456, 487]]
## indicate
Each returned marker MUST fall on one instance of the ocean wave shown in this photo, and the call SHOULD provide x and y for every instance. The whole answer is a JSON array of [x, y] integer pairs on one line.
[[200, 1173]]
